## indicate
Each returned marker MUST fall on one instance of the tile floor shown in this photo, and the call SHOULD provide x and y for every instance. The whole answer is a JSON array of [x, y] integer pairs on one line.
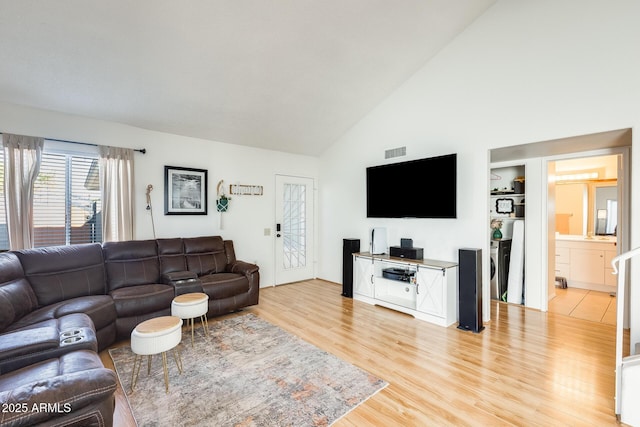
[[584, 304]]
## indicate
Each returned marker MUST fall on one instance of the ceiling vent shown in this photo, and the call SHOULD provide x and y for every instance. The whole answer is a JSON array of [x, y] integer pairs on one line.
[[395, 152]]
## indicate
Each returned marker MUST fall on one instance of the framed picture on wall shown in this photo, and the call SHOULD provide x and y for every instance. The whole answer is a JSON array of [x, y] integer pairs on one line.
[[185, 191], [504, 206]]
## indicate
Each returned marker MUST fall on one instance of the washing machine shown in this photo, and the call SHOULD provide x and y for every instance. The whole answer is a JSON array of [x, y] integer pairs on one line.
[[500, 252], [493, 254]]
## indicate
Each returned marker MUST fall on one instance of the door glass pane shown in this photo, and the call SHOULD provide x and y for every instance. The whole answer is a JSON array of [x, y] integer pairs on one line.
[[294, 226]]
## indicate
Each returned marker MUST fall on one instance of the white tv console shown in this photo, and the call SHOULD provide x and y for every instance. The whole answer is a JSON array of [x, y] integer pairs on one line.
[[431, 295]]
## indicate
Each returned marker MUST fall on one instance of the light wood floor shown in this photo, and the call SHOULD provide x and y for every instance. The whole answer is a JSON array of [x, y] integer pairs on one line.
[[584, 304], [526, 368]]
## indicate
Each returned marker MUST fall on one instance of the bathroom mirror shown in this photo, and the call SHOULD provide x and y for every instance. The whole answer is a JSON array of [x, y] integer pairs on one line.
[[586, 193], [605, 213], [587, 208]]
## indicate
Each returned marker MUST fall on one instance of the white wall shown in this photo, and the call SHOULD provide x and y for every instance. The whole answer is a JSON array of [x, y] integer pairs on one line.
[[247, 217], [524, 72]]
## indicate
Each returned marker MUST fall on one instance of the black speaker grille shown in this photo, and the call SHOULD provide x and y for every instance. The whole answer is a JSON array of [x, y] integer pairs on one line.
[[470, 289]]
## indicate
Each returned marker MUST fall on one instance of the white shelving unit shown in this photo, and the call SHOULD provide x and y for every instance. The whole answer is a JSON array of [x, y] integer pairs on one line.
[[503, 195]]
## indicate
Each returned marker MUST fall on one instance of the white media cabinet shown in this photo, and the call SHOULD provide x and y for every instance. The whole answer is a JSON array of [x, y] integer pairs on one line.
[[431, 295]]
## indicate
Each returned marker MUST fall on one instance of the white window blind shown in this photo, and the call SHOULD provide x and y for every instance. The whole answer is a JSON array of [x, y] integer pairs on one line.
[[66, 201], [4, 231]]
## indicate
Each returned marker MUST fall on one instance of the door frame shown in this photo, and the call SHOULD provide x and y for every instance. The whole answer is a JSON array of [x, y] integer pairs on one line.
[[311, 245], [535, 154], [624, 208]]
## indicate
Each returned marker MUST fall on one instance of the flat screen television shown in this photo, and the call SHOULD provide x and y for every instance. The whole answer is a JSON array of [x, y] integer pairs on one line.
[[424, 188]]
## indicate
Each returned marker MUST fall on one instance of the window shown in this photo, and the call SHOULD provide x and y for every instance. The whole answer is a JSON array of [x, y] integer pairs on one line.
[[4, 232], [66, 200], [294, 226]]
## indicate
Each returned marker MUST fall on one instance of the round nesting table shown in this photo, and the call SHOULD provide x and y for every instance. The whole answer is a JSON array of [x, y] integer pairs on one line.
[[153, 336], [192, 305]]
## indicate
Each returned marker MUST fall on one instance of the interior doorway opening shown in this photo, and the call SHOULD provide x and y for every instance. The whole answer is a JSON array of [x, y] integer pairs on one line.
[[585, 201], [539, 263]]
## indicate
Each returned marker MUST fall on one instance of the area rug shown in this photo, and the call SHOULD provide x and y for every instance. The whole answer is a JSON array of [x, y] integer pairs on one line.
[[246, 372]]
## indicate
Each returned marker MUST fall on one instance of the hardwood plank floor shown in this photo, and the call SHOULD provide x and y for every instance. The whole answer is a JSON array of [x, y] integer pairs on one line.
[[526, 368]]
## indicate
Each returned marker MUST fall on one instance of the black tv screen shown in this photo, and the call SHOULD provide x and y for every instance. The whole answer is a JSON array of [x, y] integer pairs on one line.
[[424, 188]]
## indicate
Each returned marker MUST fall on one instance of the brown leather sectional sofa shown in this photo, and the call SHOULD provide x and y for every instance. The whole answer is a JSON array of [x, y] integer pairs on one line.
[[60, 305]]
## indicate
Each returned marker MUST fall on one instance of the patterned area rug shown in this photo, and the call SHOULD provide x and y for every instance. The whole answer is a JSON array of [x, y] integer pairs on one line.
[[246, 372]]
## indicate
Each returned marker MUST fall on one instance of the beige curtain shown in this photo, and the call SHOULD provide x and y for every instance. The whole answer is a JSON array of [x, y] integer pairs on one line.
[[22, 158], [116, 183]]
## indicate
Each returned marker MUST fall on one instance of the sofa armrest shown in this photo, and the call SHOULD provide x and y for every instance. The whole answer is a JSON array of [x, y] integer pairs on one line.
[[242, 267], [178, 276], [183, 281], [27, 341], [69, 394], [31, 345], [252, 273]]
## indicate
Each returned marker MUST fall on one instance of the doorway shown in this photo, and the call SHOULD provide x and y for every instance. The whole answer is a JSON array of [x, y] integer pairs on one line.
[[294, 229], [540, 243], [583, 209]]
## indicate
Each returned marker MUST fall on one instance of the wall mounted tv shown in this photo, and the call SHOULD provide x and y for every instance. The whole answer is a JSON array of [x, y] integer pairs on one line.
[[424, 188]]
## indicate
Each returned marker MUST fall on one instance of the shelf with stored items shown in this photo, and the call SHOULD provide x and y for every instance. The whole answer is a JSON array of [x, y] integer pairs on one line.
[[506, 200], [508, 206], [425, 289], [507, 192]]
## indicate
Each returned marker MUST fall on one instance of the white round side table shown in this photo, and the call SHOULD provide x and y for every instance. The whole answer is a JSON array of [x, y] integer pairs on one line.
[[192, 305], [153, 336]]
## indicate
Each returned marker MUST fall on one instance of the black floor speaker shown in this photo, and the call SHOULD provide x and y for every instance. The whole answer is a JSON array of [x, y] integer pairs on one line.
[[470, 290], [349, 246]]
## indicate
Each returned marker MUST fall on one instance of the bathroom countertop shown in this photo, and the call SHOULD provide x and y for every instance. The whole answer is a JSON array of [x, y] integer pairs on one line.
[[580, 238]]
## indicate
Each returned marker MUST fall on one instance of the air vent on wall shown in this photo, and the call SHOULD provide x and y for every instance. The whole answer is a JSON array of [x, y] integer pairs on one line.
[[395, 152]]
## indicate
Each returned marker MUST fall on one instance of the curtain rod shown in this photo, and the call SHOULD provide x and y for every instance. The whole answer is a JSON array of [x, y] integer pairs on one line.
[[140, 150]]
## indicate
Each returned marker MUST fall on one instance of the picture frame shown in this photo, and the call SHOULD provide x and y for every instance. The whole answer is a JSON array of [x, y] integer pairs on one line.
[[185, 191], [504, 206]]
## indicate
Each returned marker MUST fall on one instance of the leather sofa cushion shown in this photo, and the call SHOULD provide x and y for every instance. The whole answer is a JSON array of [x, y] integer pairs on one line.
[[230, 251], [131, 263], [224, 285], [205, 255], [141, 299], [171, 254], [77, 379], [126, 325], [79, 361], [17, 299], [58, 273], [100, 308]]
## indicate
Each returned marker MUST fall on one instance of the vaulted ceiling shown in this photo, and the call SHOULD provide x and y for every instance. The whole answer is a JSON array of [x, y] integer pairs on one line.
[[287, 75]]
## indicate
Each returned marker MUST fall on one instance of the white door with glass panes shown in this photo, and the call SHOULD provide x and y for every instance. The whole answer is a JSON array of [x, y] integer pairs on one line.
[[294, 229]]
